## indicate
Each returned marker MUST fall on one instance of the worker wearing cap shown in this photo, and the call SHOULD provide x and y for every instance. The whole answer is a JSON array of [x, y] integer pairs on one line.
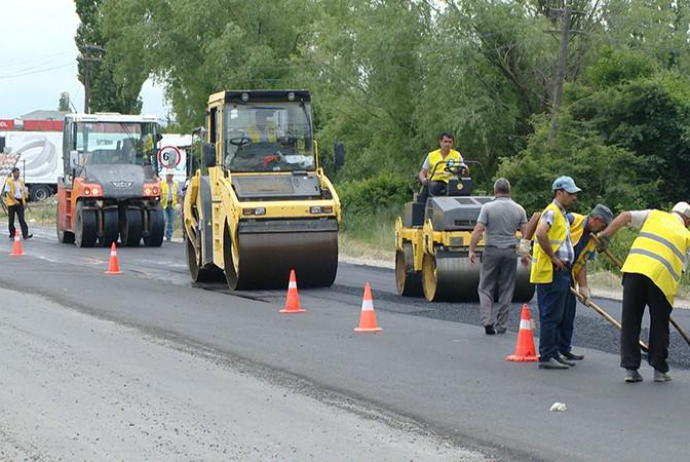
[[15, 198], [582, 227], [169, 197], [552, 263], [436, 163], [651, 276]]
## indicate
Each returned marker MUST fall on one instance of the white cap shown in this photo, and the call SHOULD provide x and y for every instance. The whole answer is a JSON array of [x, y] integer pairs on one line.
[[682, 208]]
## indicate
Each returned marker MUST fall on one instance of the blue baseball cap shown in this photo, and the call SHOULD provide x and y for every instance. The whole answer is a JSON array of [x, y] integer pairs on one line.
[[566, 183]]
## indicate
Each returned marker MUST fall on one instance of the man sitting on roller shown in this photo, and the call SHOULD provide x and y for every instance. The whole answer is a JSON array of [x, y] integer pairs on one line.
[[435, 163]]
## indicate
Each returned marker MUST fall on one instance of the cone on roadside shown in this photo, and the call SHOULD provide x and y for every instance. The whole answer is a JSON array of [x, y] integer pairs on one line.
[[367, 319], [17, 248], [114, 265], [292, 300], [524, 350]]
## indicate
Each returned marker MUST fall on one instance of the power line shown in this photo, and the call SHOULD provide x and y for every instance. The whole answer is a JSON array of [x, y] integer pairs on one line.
[[16, 76]]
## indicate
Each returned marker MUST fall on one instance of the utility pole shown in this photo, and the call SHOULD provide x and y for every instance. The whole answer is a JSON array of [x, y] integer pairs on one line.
[[87, 57], [561, 69]]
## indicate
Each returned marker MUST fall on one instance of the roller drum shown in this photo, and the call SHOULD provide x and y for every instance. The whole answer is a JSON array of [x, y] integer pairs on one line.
[[524, 290], [449, 276], [265, 259], [408, 281]]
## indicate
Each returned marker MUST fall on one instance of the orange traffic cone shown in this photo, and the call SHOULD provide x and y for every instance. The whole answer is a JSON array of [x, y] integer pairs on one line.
[[367, 320], [292, 301], [17, 249], [524, 350], [114, 266]]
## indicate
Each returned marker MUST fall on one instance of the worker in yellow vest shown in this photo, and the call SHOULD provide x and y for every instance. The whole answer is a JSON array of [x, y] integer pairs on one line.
[[651, 276], [169, 198], [435, 165], [582, 227], [552, 264], [15, 198], [263, 130]]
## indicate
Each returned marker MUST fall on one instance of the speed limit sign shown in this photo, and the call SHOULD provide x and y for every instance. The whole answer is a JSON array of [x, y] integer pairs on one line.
[[169, 157]]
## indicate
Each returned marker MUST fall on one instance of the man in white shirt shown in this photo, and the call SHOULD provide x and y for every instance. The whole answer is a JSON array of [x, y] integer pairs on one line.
[[15, 198]]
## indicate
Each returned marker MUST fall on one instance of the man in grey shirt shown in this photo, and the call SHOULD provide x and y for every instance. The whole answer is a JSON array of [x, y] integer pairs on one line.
[[498, 221]]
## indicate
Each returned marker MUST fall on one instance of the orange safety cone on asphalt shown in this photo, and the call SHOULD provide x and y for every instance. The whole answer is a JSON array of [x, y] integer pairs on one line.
[[292, 301], [367, 320], [524, 350], [17, 248], [114, 266]]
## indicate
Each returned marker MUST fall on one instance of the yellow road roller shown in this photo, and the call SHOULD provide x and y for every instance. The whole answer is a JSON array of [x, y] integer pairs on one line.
[[257, 203], [432, 241]]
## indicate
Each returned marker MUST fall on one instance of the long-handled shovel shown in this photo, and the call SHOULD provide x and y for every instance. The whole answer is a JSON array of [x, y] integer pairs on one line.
[[619, 264], [604, 314]]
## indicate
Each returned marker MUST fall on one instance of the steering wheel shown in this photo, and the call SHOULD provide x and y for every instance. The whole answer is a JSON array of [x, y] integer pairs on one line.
[[240, 141]]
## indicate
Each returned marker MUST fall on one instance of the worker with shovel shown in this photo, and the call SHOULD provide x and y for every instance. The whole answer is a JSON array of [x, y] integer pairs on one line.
[[651, 276]]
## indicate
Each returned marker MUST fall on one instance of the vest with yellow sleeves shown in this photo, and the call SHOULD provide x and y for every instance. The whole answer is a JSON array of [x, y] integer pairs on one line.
[[542, 267], [577, 229], [10, 200], [435, 157], [164, 194], [271, 135], [659, 252]]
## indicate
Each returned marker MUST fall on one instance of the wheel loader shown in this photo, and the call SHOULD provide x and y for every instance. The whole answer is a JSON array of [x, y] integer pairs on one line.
[[258, 203], [432, 241], [110, 188]]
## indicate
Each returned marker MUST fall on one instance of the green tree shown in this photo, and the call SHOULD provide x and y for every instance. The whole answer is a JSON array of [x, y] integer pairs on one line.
[[63, 104], [114, 87]]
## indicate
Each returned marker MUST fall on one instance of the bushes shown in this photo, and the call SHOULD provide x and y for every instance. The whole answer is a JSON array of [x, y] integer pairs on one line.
[[374, 194]]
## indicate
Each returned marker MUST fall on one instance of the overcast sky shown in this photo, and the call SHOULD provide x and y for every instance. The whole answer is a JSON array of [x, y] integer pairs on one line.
[[38, 59]]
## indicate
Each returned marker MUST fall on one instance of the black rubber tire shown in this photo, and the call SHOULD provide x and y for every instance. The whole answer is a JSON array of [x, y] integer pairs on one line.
[[64, 237], [41, 192], [131, 227], [111, 227], [230, 273], [154, 237], [85, 228]]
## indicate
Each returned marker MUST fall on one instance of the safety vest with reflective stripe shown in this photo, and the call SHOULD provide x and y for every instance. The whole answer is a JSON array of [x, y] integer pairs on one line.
[[11, 200], [542, 267], [271, 135], [577, 230], [440, 174], [164, 194], [659, 252]]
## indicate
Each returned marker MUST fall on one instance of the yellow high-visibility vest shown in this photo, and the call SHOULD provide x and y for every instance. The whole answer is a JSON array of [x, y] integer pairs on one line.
[[659, 252], [164, 194], [440, 174], [10, 200], [577, 229], [270, 137], [542, 267]]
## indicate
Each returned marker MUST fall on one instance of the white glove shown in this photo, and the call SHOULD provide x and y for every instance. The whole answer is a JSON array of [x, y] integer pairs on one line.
[[524, 247], [586, 294]]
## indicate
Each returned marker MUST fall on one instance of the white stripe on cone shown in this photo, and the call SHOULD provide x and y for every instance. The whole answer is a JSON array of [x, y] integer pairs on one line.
[[292, 285], [367, 305], [525, 324]]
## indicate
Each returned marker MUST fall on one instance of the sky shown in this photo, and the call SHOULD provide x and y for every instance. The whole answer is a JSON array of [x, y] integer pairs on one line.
[[38, 59]]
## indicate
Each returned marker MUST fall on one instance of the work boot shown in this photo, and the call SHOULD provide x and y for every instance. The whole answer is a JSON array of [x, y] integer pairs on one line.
[[562, 360], [632, 376], [489, 330], [552, 364], [661, 376], [570, 356], [500, 330], [28, 236]]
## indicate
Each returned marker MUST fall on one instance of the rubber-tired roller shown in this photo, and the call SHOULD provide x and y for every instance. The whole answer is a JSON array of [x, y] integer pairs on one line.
[[432, 242], [258, 203]]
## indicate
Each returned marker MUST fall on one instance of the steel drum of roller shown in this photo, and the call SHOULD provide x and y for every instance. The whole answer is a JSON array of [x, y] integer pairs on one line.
[[451, 277], [265, 259]]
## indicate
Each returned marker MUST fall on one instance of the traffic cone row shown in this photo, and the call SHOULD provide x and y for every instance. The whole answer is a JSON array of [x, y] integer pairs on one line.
[[367, 320]]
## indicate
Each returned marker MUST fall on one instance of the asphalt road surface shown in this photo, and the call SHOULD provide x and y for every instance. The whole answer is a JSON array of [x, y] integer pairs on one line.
[[146, 365]]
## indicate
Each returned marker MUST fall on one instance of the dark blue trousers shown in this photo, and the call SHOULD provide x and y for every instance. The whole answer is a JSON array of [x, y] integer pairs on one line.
[[552, 299]]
